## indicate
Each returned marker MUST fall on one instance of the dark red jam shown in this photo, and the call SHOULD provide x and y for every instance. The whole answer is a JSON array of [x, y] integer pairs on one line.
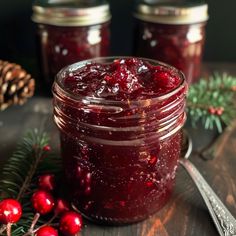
[[178, 45], [60, 46], [120, 127], [122, 80]]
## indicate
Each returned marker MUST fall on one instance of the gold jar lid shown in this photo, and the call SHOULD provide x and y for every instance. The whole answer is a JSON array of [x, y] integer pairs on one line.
[[171, 12], [71, 12]]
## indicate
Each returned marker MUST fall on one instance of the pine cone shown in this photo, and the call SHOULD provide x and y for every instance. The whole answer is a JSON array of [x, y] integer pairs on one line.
[[16, 86]]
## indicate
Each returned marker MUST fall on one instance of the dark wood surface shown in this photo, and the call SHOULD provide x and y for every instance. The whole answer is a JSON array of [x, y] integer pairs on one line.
[[185, 214]]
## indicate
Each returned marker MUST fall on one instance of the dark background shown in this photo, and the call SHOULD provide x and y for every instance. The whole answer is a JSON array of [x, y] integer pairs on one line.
[[17, 31]]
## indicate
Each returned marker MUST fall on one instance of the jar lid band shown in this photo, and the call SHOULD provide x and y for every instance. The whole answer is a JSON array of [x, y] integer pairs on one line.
[[63, 16], [172, 14]]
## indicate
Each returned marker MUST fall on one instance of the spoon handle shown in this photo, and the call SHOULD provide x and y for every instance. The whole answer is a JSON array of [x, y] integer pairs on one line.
[[223, 219]]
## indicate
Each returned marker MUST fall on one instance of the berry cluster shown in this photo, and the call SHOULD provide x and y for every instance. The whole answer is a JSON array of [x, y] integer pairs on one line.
[[43, 202], [216, 110]]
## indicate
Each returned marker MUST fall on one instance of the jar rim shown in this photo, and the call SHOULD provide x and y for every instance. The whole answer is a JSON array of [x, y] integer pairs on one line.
[[71, 16], [74, 97], [171, 13]]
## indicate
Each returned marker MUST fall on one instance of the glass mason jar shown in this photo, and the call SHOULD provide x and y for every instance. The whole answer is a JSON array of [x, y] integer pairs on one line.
[[173, 33], [70, 31], [120, 157]]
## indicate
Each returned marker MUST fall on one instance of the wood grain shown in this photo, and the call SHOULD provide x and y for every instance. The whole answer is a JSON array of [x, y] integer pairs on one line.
[[184, 215]]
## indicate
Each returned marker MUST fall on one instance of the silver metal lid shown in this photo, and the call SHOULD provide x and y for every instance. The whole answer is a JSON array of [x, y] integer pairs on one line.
[[171, 13], [71, 12]]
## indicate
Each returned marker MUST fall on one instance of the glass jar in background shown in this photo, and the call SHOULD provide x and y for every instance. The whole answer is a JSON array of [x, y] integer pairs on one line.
[[69, 31], [172, 32], [120, 156]]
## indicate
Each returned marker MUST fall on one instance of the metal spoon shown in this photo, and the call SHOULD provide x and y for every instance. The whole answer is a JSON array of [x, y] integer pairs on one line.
[[223, 219]]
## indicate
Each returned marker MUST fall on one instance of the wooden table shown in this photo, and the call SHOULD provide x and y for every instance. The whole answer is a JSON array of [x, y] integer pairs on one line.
[[184, 215]]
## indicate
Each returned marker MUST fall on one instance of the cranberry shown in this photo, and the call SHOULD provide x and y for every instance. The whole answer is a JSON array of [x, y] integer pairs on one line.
[[47, 231], [47, 148], [153, 160], [61, 206], [42, 202], [219, 111], [212, 110], [70, 223], [10, 211], [47, 182], [165, 80], [233, 88]]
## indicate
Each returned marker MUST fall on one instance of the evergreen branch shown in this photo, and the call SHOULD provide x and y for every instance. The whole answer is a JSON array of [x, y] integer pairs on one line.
[[24, 161], [38, 154], [212, 101], [19, 176]]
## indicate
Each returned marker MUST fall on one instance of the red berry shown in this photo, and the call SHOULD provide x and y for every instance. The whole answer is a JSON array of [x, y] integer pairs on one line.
[[219, 111], [211, 110], [61, 206], [47, 231], [47, 148], [233, 88], [70, 223], [10, 211], [47, 182], [42, 202]]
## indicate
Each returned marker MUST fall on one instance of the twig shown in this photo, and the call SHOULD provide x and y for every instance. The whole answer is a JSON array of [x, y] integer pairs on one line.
[[216, 148], [31, 229], [25, 185], [48, 223], [9, 229]]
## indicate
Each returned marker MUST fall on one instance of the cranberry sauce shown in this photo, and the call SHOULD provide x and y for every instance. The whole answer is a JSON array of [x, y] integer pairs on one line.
[[60, 46], [120, 127], [178, 45], [123, 79]]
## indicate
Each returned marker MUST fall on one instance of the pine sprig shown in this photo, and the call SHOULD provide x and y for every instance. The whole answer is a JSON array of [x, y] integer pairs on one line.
[[19, 176], [212, 101], [18, 171]]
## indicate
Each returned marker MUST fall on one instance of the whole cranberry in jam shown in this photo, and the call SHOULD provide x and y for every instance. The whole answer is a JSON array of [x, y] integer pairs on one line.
[[10, 211], [70, 223], [42, 202], [47, 231]]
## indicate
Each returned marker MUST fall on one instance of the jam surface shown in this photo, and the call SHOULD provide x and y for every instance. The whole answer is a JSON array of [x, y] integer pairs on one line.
[[123, 79], [120, 158]]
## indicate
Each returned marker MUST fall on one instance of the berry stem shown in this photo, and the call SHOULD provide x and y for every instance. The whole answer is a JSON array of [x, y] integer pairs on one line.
[[9, 229], [35, 220], [31, 229], [47, 223]]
